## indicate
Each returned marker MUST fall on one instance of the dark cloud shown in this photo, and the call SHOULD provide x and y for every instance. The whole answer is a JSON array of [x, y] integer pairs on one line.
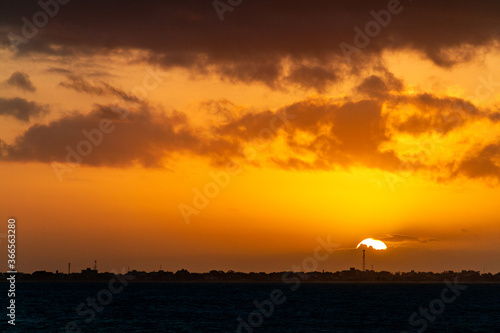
[[264, 70], [135, 137], [317, 133], [259, 39], [375, 86], [350, 134], [482, 164], [340, 134], [79, 84], [20, 108], [20, 80], [495, 116], [315, 77]]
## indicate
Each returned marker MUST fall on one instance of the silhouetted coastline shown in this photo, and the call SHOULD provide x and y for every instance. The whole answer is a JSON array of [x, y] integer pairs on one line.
[[351, 276]]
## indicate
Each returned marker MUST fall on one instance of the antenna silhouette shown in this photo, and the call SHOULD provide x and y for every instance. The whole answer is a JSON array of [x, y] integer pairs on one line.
[[363, 260]]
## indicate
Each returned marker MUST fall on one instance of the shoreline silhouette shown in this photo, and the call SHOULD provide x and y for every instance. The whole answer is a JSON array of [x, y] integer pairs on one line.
[[346, 276]]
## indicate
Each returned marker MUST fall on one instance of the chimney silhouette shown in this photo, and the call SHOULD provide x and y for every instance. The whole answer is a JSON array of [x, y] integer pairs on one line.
[[363, 260], [69, 268]]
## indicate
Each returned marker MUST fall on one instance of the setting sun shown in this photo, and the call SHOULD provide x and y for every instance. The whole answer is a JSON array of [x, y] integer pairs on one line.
[[373, 243]]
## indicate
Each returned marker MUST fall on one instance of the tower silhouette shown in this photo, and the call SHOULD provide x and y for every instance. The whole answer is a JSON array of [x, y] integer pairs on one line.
[[363, 260]]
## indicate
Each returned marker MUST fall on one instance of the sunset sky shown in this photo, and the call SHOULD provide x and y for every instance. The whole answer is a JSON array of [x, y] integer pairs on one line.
[[234, 134]]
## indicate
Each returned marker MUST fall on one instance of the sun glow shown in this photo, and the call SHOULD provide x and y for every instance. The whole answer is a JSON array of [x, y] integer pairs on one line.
[[374, 243]]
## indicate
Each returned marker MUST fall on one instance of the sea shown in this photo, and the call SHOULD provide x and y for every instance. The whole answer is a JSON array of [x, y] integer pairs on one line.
[[252, 307]]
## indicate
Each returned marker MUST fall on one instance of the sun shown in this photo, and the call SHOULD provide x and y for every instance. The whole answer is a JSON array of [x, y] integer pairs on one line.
[[374, 243]]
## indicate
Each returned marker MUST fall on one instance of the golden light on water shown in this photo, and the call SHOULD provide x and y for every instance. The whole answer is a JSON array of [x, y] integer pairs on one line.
[[374, 243]]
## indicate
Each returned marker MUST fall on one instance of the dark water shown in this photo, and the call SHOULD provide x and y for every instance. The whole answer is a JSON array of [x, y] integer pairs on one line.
[[165, 307]]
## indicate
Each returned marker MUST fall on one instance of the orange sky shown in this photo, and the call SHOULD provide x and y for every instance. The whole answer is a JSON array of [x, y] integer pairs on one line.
[[401, 144]]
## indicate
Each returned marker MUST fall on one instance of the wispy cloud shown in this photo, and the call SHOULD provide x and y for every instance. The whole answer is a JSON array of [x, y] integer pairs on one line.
[[79, 84], [401, 240]]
